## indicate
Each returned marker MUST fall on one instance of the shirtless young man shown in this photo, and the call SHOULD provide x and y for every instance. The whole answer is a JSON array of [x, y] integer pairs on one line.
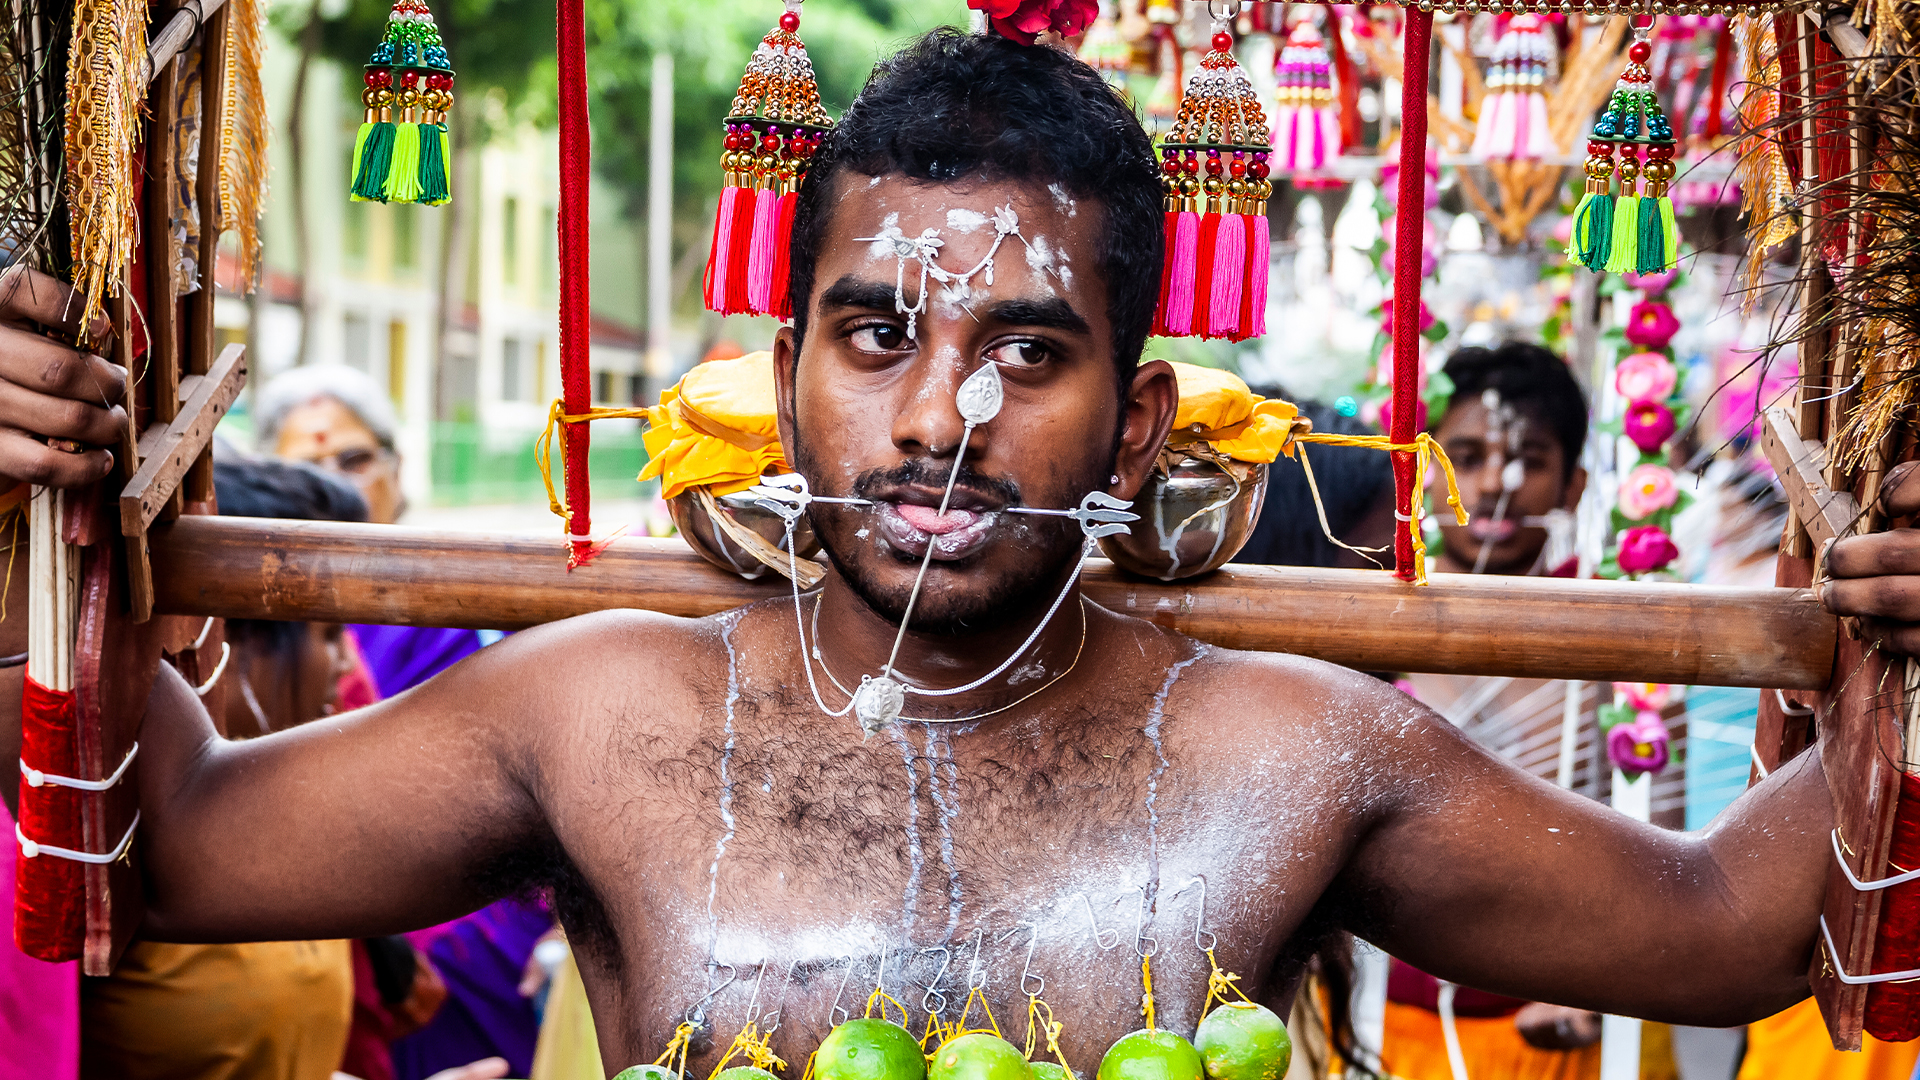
[[696, 814]]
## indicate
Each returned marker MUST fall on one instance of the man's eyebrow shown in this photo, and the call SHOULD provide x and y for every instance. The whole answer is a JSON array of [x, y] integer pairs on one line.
[[851, 292], [1052, 313]]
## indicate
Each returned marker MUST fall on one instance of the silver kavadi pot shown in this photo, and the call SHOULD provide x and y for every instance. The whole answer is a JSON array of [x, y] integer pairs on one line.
[[693, 513], [1192, 521]]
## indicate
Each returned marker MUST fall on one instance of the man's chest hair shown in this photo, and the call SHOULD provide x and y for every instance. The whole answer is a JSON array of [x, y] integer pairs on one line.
[[791, 790]]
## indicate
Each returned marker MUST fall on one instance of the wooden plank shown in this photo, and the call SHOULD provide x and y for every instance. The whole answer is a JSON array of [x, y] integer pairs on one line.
[[1460, 624], [1802, 465], [202, 338], [182, 443]]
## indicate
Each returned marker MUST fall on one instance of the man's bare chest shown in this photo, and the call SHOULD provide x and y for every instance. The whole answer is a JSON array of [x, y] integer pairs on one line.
[[927, 861]]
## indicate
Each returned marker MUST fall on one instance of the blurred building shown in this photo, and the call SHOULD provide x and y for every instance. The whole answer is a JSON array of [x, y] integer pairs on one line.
[[370, 294]]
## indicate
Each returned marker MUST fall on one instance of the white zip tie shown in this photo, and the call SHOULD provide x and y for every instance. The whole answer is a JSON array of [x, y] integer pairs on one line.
[[31, 850], [36, 778], [1761, 766], [1790, 710], [1867, 886], [1833, 956]]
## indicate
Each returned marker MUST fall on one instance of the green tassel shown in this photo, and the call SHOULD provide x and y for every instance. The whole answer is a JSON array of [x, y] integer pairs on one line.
[[1670, 231], [1654, 255], [1592, 231], [403, 176], [1626, 235], [372, 156], [433, 164]]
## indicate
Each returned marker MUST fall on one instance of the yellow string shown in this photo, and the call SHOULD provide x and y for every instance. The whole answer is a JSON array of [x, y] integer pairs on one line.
[[1146, 999], [807, 1073], [935, 1034], [682, 1036], [960, 1026], [558, 416], [1049, 1025], [754, 1044], [1218, 984], [1422, 448], [883, 999]]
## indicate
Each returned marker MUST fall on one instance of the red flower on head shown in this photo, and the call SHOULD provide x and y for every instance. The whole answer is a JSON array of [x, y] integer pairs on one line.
[[1025, 20]]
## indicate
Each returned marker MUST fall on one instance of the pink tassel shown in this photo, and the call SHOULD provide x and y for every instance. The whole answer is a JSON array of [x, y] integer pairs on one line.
[[1483, 131], [1506, 126], [1183, 258], [760, 254], [733, 295], [781, 305], [1328, 121], [716, 281], [1539, 143], [1229, 273], [1166, 272], [1253, 297], [1289, 130]]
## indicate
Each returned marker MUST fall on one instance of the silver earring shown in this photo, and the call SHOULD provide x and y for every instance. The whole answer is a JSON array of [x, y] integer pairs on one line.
[[1114, 479]]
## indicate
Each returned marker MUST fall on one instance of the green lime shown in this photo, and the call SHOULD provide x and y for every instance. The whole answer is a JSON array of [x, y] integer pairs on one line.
[[745, 1072], [648, 1072], [1244, 1041], [869, 1049], [1050, 1070], [1151, 1055], [978, 1056]]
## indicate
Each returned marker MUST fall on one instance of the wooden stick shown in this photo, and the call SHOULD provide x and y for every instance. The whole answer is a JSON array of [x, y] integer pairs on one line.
[[1461, 624]]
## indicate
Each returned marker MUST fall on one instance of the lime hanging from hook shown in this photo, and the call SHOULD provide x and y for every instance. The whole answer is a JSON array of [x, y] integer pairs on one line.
[[1151, 1055], [1049, 1070], [1243, 1041], [978, 1055], [745, 1072], [869, 1049]]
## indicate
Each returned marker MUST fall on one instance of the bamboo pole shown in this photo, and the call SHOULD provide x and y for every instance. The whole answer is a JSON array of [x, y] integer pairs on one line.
[[1461, 624]]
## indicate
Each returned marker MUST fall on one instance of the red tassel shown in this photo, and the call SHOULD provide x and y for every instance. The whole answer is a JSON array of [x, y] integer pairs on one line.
[[1253, 297], [1203, 273], [1170, 224], [780, 305], [49, 911], [1227, 279], [733, 299], [1893, 1009], [766, 214], [717, 255], [1182, 260]]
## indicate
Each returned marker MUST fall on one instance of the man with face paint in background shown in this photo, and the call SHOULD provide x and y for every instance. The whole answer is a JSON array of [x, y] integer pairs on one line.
[[696, 813]]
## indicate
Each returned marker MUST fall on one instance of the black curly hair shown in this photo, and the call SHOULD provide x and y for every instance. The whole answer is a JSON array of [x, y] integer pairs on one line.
[[954, 104]]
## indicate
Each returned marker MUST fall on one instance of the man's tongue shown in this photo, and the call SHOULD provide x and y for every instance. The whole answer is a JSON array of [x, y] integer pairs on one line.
[[931, 521]]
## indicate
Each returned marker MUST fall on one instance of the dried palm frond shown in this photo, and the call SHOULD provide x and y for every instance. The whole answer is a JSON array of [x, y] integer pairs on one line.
[[243, 138], [105, 91]]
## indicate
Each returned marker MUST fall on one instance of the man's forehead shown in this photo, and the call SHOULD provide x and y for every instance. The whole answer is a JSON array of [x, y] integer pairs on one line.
[[957, 209]]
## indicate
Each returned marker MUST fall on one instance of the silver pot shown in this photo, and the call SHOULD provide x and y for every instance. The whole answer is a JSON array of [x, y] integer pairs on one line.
[[712, 543], [1192, 522]]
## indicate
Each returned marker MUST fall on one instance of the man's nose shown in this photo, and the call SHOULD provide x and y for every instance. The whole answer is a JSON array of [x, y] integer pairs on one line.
[[929, 420]]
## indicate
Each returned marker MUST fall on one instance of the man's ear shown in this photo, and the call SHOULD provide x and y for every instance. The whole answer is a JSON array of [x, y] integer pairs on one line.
[[1576, 487], [1147, 415], [785, 356]]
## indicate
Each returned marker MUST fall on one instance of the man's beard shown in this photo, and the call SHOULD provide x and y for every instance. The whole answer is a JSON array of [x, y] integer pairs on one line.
[[1047, 549]]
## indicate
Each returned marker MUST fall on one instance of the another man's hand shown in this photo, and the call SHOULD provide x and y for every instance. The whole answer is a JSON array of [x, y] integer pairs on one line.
[[1877, 577], [49, 389]]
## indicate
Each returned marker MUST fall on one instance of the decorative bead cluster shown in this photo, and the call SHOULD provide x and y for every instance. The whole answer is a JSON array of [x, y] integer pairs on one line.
[[1214, 157], [1521, 57], [776, 120], [409, 78], [1304, 74], [1648, 151], [779, 84], [767, 157]]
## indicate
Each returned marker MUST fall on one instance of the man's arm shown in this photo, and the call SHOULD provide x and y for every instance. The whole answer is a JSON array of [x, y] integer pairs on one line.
[[384, 819], [1482, 874]]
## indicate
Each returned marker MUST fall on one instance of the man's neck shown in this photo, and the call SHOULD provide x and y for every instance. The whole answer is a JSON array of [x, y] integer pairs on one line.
[[852, 641]]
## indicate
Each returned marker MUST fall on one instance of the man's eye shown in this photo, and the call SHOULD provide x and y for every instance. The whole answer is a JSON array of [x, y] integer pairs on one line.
[[1020, 354], [880, 337]]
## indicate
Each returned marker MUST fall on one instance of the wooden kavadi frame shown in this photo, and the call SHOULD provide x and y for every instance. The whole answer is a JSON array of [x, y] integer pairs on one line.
[[202, 567]]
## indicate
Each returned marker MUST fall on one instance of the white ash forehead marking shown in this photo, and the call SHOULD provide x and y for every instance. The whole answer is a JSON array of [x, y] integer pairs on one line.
[[966, 221], [874, 182], [882, 245], [1062, 201]]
